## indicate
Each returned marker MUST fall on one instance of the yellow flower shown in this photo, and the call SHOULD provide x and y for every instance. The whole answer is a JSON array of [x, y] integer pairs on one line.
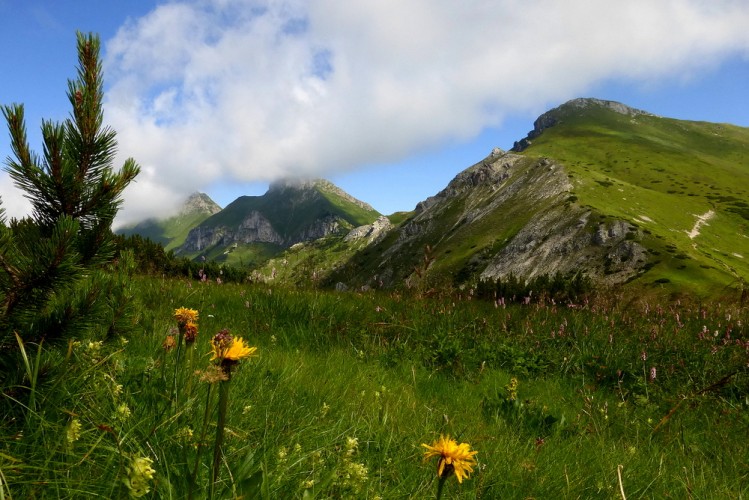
[[230, 349], [184, 316], [352, 445], [184, 433], [238, 350], [123, 411], [453, 457], [142, 467]]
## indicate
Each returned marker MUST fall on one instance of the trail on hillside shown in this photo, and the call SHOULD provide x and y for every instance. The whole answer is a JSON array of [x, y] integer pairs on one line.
[[701, 219]]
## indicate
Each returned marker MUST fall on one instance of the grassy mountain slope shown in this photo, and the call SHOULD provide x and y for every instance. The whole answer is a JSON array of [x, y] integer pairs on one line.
[[597, 187], [617, 193], [311, 263], [252, 229], [454, 236], [663, 175], [289, 209], [171, 232]]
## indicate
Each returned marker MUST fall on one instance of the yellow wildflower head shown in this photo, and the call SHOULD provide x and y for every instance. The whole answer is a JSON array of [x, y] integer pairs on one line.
[[453, 457], [239, 350], [352, 446], [228, 350], [123, 411], [184, 316]]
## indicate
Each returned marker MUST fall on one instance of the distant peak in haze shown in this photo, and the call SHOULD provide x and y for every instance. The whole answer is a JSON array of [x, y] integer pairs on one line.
[[289, 183], [321, 185], [198, 203], [556, 115]]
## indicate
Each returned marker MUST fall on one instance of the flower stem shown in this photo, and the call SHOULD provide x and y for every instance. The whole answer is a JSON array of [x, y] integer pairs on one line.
[[223, 399], [201, 440], [440, 485], [190, 356], [177, 368]]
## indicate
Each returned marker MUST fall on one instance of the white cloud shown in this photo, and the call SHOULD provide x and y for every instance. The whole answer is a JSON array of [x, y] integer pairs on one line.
[[251, 90], [14, 203]]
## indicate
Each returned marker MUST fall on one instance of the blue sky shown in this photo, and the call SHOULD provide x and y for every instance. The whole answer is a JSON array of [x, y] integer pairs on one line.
[[388, 99]]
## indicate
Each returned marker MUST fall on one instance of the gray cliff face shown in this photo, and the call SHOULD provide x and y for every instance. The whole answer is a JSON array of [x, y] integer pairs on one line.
[[255, 228], [320, 229], [525, 203], [491, 171], [560, 240], [199, 238], [487, 186], [370, 233], [290, 212], [587, 102]]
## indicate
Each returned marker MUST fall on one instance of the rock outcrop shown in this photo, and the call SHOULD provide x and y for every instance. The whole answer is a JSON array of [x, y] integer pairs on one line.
[[320, 228], [371, 233], [507, 214], [255, 228]]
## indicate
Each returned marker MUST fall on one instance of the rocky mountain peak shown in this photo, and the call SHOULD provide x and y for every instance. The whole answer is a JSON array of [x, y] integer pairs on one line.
[[558, 114], [199, 203], [322, 185], [288, 183], [589, 102], [291, 211]]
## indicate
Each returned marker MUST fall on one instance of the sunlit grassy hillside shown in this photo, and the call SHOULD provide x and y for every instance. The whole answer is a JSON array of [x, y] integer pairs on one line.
[[170, 232], [666, 176]]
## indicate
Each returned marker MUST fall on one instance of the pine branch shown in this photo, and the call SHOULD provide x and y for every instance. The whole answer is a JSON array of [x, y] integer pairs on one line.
[[50, 280]]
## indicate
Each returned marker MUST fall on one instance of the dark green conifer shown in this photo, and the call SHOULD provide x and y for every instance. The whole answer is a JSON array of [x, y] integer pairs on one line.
[[53, 277]]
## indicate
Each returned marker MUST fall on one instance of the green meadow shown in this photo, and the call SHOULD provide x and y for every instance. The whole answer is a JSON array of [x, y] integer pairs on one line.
[[607, 398]]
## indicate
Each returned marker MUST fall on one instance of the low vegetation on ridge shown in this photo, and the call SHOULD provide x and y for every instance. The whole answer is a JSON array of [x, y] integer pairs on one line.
[[683, 184]]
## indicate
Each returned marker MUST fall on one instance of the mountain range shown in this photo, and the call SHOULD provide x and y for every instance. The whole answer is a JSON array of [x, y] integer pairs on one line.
[[172, 231], [596, 187]]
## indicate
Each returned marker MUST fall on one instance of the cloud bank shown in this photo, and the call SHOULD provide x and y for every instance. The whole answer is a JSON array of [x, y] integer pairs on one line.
[[250, 90]]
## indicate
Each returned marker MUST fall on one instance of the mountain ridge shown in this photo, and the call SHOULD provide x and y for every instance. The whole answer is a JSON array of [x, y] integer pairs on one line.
[[600, 188], [171, 231], [290, 212], [597, 187]]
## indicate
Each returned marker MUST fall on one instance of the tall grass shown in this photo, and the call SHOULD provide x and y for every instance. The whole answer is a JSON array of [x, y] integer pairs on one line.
[[647, 400]]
